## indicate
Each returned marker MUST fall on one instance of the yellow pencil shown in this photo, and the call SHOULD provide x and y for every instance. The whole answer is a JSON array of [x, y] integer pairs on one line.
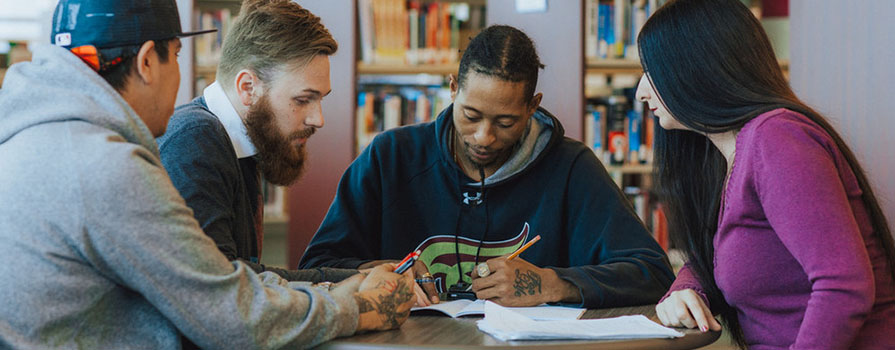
[[524, 247]]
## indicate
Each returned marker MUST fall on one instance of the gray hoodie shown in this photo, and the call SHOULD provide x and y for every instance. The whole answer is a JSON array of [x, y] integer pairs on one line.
[[99, 251]]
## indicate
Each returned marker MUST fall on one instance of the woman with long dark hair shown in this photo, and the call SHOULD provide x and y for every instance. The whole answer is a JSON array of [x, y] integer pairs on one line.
[[783, 235]]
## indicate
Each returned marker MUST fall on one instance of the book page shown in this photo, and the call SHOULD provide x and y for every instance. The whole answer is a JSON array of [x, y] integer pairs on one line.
[[544, 312], [451, 308]]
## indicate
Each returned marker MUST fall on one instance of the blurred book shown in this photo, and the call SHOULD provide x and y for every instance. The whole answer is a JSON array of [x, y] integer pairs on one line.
[[384, 107], [415, 32]]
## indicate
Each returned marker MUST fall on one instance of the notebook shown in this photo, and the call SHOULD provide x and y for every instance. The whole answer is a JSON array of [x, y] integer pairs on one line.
[[459, 308], [506, 324]]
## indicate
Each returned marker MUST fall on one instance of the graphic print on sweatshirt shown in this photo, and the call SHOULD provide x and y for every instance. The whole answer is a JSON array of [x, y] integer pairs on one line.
[[440, 255]]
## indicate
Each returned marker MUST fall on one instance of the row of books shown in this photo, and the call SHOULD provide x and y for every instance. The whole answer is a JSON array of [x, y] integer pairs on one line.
[[208, 47], [611, 27], [385, 107], [619, 132], [650, 212], [415, 32]]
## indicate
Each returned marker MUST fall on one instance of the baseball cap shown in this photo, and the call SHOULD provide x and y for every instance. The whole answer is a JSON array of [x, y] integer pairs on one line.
[[87, 26]]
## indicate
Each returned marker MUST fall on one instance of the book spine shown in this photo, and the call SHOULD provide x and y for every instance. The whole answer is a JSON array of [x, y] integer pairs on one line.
[[367, 30], [598, 123], [635, 122], [591, 28], [413, 19]]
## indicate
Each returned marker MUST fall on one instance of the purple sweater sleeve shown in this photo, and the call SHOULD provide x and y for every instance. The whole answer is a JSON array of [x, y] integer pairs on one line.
[[805, 201], [687, 280]]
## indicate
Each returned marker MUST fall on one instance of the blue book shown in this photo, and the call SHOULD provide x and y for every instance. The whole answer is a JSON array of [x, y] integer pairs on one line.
[[598, 134], [635, 121], [604, 16]]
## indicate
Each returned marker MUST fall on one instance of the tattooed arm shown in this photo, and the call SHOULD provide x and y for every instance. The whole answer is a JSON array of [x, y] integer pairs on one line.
[[384, 299], [519, 283]]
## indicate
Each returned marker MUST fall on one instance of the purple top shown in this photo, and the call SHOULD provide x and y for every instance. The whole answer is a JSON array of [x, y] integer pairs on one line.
[[795, 252]]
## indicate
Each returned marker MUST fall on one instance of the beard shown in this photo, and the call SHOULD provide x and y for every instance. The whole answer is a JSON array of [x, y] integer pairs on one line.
[[280, 162]]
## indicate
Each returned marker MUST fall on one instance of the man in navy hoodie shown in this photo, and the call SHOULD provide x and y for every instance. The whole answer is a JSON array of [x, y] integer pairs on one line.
[[420, 187]]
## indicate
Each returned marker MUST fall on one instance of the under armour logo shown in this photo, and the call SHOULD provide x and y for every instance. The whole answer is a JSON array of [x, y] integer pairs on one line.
[[472, 200]]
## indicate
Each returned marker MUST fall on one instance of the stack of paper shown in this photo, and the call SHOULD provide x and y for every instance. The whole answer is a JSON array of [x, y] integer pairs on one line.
[[505, 324], [462, 307]]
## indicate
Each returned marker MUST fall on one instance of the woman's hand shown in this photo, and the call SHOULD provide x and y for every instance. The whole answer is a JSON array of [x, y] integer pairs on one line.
[[685, 308]]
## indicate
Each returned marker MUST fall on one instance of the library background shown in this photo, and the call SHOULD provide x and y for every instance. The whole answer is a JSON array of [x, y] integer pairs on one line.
[[395, 56]]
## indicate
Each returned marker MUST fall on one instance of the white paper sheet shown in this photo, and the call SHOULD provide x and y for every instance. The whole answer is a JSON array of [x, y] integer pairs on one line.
[[505, 324]]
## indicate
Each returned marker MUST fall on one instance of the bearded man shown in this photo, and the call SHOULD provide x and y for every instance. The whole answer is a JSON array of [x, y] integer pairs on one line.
[[253, 121]]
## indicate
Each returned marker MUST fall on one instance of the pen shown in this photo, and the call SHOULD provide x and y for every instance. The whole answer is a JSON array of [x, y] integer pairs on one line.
[[407, 262], [524, 247]]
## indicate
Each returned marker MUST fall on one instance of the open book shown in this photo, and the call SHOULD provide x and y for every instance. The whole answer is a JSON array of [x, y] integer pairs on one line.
[[458, 308], [506, 324]]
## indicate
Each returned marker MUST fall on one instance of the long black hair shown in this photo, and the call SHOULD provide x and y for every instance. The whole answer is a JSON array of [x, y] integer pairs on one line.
[[715, 70]]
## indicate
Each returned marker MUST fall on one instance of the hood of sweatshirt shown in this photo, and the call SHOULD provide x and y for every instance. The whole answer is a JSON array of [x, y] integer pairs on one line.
[[543, 130], [57, 86]]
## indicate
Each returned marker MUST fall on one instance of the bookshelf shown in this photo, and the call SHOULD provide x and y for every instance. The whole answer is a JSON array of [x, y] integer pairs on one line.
[[208, 14], [612, 118], [406, 51], [630, 169], [397, 69], [612, 66]]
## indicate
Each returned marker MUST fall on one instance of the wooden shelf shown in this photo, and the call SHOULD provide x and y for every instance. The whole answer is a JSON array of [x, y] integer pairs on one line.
[[631, 168], [470, 2], [206, 70], [624, 66], [613, 66], [275, 219], [437, 69]]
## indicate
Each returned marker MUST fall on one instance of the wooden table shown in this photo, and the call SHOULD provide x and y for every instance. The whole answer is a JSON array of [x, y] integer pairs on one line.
[[441, 332]]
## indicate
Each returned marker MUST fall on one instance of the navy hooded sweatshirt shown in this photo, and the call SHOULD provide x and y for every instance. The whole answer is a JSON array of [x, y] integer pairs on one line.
[[406, 192]]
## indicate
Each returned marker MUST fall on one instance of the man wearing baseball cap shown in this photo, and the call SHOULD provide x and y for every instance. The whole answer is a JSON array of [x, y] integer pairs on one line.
[[97, 248]]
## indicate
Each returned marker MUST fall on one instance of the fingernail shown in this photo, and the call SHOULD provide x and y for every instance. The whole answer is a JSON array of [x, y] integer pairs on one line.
[[704, 329]]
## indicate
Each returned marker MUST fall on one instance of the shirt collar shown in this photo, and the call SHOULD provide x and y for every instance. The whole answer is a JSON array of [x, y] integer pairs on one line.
[[220, 106]]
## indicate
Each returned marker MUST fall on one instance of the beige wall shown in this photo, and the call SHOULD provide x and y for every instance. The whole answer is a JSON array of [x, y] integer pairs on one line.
[[330, 150], [557, 35], [843, 64], [185, 93]]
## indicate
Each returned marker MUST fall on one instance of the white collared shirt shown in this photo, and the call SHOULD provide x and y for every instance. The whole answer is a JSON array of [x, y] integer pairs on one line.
[[220, 106]]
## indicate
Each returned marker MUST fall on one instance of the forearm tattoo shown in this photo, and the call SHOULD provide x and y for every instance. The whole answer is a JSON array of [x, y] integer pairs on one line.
[[527, 283], [387, 305], [363, 305]]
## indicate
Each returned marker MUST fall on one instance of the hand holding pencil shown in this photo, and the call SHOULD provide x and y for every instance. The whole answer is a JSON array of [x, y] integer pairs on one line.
[[483, 270], [512, 281]]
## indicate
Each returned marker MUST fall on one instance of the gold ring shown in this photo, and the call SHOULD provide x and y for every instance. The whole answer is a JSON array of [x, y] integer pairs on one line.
[[426, 275], [483, 269]]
